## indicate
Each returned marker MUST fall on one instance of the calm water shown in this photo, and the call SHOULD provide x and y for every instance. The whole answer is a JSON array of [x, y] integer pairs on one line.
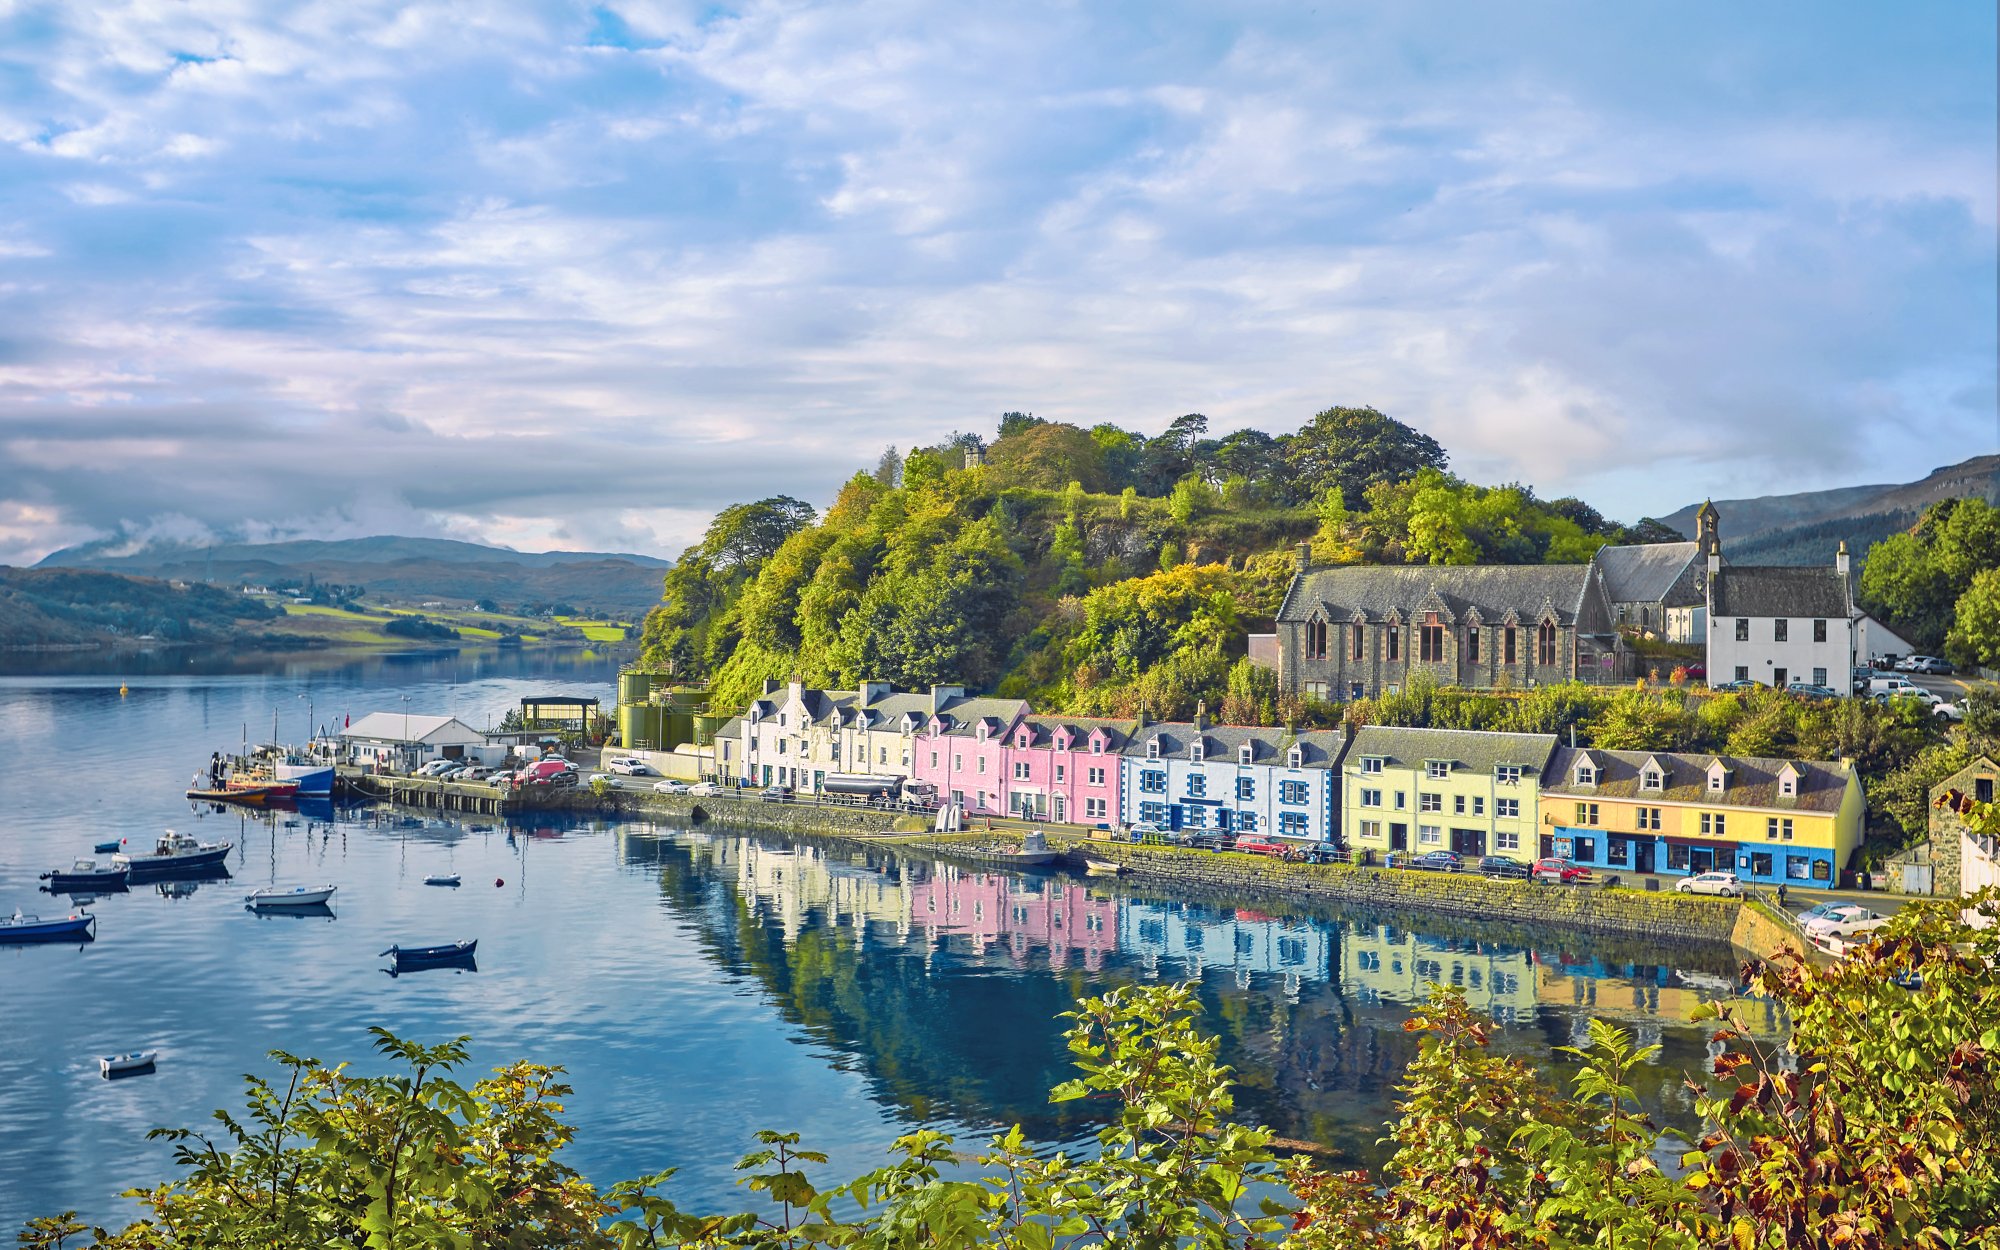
[[698, 985]]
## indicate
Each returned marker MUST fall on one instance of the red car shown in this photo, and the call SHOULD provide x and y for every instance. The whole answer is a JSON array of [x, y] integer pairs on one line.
[[1559, 870], [1257, 845], [549, 772]]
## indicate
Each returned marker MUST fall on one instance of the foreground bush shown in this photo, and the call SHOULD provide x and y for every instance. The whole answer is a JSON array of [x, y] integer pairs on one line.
[[1874, 1127]]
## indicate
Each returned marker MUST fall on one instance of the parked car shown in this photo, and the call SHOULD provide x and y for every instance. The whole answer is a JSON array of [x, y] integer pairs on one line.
[[704, 790], [1698, 672], [1439, 861], [1258, 844], [1560, 871], [1950, 711], [1140, 830], [433, 768], [629, 767], [1845, 920], [1723, 883], [775, 794], [1207, 841], [670, 786], [1918, 693], [1933, 665], [1733, 687], [1500, 868], [1813, 913], [549, 772], [1806, 690], [1317, 853], [1890, 685]]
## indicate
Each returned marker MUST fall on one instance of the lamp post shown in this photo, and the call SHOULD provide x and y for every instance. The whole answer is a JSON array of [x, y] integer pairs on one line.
[[403, 749], [311, 733]]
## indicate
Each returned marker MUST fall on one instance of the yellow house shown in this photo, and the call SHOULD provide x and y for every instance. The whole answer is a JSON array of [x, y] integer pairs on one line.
[[1791, 822], [1412, 791]]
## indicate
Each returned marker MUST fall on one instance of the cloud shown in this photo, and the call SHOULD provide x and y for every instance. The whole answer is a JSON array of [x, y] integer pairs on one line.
[[575, 274]]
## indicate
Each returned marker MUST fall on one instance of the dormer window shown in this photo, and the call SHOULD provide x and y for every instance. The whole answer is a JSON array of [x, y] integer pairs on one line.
[[1718, 778], [1097, 746], [1371, 764], [1788, 783], [1023, 739], [1507, 774], [980, 732], [1243, 754], [1437, 770], [1295, 758], [1586, 774], [1196, 752], [1152, 748], [1651, 780]]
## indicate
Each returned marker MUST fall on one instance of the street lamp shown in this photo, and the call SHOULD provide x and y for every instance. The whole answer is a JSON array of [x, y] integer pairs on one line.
[[403, 749], [311, 733]]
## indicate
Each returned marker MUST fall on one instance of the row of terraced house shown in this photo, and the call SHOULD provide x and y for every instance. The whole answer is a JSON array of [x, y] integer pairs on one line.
[[1375, 788]]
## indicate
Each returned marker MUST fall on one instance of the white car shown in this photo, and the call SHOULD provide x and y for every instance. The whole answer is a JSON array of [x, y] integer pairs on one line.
[[1846, 920], [670, 786], [629, 767], [1950, 711], [704, 789], [1723, 883]]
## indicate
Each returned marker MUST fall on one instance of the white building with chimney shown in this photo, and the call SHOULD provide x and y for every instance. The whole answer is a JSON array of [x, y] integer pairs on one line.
[[1778, 625]]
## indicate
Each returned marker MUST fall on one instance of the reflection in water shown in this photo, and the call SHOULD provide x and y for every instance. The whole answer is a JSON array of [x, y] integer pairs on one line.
[[942, 982]]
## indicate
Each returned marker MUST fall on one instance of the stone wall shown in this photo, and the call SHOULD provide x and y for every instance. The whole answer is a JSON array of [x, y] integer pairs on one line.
[[1760, 933], [826, 818]]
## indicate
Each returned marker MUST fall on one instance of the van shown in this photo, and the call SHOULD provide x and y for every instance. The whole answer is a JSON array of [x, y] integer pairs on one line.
[[1890, 685]]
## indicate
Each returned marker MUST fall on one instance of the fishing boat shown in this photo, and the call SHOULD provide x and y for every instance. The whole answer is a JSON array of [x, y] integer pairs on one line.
[[87, 875], [217, 794], [19, 928], [1033, 852], [175, 852], [127, 1064], [442, 878], [109, 848], [266, 788], [1103, 867], [291, 896]]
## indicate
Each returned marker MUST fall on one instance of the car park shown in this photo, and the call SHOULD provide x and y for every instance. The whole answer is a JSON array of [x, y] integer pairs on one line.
[[1500, 868], [1560, 871], [671, 786], [1439, 861], [1845, 920], [1918, 693], [1722, 883]]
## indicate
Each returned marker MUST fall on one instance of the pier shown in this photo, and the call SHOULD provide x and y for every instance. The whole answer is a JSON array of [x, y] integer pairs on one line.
[[459, 796]]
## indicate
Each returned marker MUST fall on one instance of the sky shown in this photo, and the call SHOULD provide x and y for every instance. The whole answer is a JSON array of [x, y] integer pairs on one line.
[[578, 275]]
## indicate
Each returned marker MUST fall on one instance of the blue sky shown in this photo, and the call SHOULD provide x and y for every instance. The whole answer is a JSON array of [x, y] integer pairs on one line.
[[579, 274]]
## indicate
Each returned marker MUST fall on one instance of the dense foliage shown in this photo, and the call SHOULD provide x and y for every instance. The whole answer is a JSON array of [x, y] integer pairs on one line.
[[1869, 1127], [1092, 570], [1939, 582], [59, 606]]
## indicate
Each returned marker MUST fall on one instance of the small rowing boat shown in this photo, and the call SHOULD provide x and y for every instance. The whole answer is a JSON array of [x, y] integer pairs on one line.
[[127, 1064], [1102, 867], [291, 896], [109, 848], [20, 928], [442, 878], [454, 955]]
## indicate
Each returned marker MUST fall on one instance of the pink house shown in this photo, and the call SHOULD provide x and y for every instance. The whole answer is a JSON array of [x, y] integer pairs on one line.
[[961, 751], [1064, 770], [991, 910]]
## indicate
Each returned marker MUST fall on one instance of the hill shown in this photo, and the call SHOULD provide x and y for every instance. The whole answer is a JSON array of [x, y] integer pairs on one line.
[[1807, 527], [87, 607], [398, 570]]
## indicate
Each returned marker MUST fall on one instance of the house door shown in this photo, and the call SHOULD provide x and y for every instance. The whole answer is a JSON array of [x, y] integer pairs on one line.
[[1062, 809], [1700, 860], [1778, 677], [1399, 837], [1642, 855], [1469, 842]]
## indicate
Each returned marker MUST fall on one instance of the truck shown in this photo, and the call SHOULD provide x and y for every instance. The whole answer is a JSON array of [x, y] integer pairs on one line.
[[881, 791]]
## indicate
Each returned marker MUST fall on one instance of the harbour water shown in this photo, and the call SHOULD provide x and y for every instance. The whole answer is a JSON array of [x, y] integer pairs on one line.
[[698, 985]]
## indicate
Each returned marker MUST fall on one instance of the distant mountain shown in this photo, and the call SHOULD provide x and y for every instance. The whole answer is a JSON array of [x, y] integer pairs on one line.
[[1808, 527], [396, 569]]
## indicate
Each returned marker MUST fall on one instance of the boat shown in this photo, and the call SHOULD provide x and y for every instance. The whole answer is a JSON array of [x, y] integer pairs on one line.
[[127, 1064], [206, 794], [87, 875], [307, 911], [108, 848], [265, 788], [291, 896], [1033, 852], [1103, 867], [175, 852], [20, 928], [458, 955], [442, 878]]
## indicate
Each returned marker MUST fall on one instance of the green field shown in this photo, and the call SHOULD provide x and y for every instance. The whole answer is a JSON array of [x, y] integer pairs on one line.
[[363, 628], [595, 631]]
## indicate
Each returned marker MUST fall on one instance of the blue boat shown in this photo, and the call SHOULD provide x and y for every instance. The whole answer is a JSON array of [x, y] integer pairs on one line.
[[109, 848], [19, 928], [453, 955]]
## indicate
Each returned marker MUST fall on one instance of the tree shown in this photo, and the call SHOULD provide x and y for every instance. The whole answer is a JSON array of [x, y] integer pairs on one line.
[[744, 535], [1012, 423], [889, 468], [1915, 579], [1354, 449], [1974, 640], [1048, 456]]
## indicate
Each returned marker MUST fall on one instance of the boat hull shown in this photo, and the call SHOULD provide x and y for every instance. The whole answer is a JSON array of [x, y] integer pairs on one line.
[[411, 955], [60, 929], [312, 780], [315, 897], [86, 882], [146, 866], [249, 798]]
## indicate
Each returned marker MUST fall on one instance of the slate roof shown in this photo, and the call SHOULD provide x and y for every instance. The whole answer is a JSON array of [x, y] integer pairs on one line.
[[1495, 590], [1472, 750], [1220, 744], [1744, 591], [1644, 573], [1753, 781], [1080, 728], [396, 727]]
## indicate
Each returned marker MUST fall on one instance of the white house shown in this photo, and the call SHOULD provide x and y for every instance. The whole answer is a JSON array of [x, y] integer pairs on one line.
[[1775, 626], [796, 735], [404, 741], [1231, 779]]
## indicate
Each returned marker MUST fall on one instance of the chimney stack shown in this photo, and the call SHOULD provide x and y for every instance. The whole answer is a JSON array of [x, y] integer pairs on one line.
[[1840, 560], [1201, 715], [1303, 559]]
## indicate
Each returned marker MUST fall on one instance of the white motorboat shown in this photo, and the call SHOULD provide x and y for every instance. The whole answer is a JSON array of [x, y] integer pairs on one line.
[[442, 878], [136, 1061], [291, 896]]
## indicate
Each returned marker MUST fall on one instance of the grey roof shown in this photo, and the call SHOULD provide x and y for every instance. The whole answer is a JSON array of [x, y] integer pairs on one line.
[[1473, 750], [1753, 780], [1746, 591], [1372, 593], [731, 728], [1221, 743], [1644, 573], [961, 717], [1080, 728]]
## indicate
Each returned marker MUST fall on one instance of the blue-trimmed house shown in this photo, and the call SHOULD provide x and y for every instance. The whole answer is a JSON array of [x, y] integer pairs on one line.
[[1203, 778]]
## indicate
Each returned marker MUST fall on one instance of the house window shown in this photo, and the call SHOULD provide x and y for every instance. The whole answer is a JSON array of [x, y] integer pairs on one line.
[[1371, 830], [1197, 786], [1430, 802], [1097, 747], [1359, 646], [1781, 630], [1155, 812], [1586, 813], [833, 753], [1507, 774], [1153, 781], [1399, 800], [1819, 634], [1713, 825], [1395, 643], [1507, 809], [1650, 779], [1648, 818], [982, 763], [1743, 672], [1094, 809], [1677, 857], [1429, 835], [1316, 690], [1507, 645], [1618, 853], [1020, 771], [1545, 654], [1292, 825], [1819, 677], [1152, 748], [1478, 805], [1371, 764], [1197, 818], [1243, 754], [1296, 791], [1197, 752], [933, 759], [1061, 772], [1315, 640], [1246, 788], [1430, 643], [1506, 841], [1095, 776], [1715, 781], [1437, 770], [781, 746], [1780, 828], [957, 762], [1295, 757], [1743, 629], [1369, 798], [1586, 775], [1472, 646]]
